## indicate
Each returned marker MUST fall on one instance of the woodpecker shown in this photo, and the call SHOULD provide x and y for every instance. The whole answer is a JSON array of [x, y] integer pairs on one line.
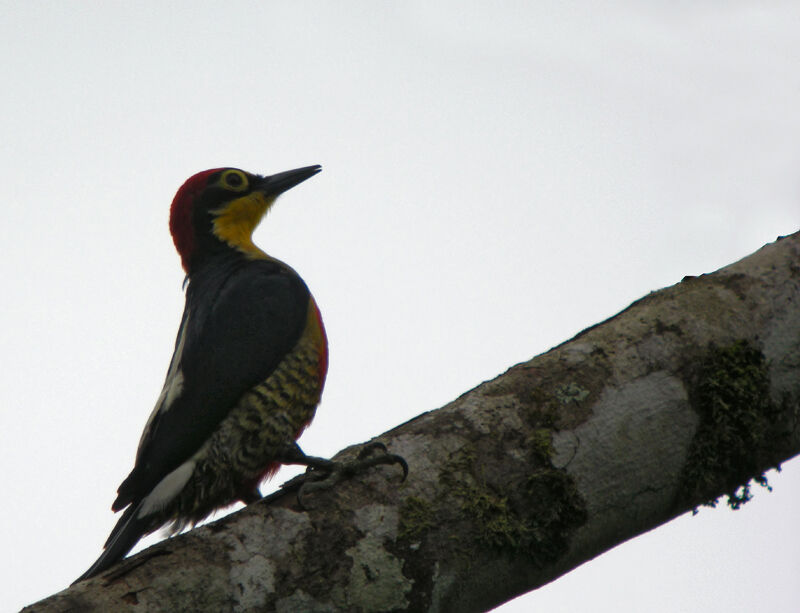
[[248, 369]]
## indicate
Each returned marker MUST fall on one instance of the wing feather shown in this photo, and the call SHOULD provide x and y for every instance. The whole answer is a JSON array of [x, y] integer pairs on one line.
[[235, 331]]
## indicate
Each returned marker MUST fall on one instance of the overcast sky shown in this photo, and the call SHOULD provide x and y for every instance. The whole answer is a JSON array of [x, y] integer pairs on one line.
[[496, 177]]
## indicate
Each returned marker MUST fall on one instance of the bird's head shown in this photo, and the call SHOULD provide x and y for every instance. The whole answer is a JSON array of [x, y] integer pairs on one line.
[[218, 209]]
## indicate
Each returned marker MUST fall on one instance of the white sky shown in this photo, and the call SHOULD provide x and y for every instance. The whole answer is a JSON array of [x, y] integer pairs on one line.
[[497, 176]]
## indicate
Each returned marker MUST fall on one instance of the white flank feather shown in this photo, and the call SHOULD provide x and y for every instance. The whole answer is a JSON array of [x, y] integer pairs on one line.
[[166, 490]]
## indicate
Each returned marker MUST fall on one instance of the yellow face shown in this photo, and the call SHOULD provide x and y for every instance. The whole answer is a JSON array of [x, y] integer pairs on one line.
[[235, 221]]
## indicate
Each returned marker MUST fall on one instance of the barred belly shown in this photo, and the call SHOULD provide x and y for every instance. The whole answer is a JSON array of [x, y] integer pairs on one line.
[[243, 450]]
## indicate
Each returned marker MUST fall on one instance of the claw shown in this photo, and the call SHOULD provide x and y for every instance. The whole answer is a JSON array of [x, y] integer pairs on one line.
[[312, 480], [387, 458], [368, 448]]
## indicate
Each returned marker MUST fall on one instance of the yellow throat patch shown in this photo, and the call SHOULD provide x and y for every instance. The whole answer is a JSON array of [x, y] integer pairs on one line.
[[234, 223]]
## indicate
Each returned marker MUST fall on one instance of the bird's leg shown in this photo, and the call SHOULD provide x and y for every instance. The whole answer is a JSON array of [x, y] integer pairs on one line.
[[294, 455], [336, 471]]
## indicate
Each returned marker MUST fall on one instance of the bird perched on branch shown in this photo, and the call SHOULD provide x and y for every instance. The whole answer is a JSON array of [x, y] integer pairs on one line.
[[247, 373]]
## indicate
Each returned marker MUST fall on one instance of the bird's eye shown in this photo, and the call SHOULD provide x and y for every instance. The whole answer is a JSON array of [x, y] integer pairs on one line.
[[234, 180]]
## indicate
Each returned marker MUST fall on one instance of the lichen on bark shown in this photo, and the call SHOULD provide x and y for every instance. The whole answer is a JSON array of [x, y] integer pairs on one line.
[[729, 388], [533, 518]]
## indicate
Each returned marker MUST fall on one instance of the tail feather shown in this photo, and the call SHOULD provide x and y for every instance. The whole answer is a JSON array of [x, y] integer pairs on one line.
[[124, 536]]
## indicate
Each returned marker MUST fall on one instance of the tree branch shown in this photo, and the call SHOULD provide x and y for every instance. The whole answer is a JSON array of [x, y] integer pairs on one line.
[[684, 396]]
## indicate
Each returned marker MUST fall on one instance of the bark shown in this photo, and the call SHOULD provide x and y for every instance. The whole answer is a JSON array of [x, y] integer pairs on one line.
[[685, 396]]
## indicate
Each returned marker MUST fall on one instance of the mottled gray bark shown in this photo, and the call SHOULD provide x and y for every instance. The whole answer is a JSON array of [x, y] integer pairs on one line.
[[684, 396]]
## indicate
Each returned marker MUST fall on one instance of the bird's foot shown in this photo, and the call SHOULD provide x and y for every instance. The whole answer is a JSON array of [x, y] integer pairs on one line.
[[323, 474]]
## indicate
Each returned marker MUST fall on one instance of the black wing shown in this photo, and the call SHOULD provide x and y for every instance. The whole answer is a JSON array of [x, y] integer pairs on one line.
[[235, 332]]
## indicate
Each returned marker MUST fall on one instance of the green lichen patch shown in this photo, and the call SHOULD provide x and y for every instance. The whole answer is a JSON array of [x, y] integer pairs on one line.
[[497, 525], [534, 518], [570, 392], [416, 518], [540, 444], [729, 389], [555, 510]]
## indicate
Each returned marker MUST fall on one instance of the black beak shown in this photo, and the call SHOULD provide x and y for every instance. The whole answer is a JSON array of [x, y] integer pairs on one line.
[[274, 185]]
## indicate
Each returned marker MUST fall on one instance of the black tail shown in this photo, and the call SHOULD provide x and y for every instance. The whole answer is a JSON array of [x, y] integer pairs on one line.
[[124, 536]]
